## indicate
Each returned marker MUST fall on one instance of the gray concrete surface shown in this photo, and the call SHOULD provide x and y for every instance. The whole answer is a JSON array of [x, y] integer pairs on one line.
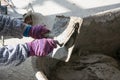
[[21, 72]]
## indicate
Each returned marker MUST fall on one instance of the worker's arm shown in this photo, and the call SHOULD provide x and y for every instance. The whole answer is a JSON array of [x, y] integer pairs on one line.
[[16, 54], [10, 26], [13, 55], [14, 27]]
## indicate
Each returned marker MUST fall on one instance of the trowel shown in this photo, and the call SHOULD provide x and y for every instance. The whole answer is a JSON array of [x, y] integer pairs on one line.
[[65, 31]]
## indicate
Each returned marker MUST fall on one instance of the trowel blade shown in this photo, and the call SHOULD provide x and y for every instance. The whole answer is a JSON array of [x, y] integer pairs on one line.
[[59, 53]]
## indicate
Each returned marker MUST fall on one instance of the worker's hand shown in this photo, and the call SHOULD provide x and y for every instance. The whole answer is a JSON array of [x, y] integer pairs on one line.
[[41, 47], [38, 31]]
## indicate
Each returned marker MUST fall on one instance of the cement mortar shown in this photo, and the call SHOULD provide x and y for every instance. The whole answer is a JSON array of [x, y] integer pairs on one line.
[[100, 33], [94, 56], [87, 67]]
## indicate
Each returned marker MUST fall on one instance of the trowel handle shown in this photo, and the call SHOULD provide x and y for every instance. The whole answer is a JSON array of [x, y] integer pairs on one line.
[[40, 76], [50, 35]]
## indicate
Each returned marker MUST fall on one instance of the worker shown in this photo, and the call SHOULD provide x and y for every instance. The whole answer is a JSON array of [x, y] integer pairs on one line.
[[16, 54]]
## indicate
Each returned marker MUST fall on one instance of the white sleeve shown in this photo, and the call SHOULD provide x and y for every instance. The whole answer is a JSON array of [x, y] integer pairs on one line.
[[13, 55]]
